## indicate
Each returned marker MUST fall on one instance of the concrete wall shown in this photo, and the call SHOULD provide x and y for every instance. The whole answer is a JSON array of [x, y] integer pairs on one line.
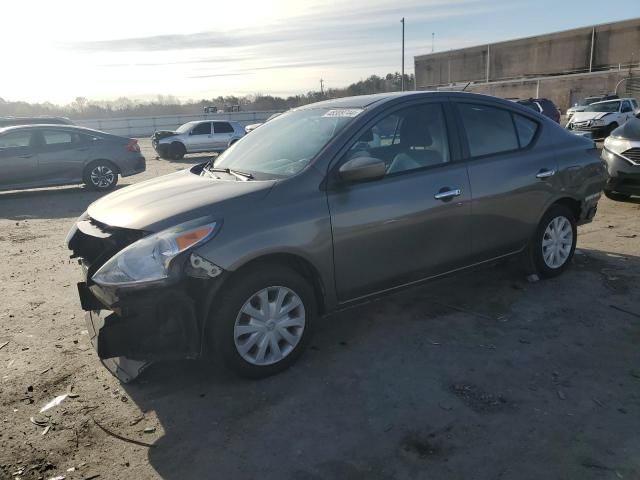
[[549, 54], [564, 90], [145, 126]]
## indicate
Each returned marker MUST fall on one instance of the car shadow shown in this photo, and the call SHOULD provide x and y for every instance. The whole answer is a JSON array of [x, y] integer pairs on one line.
[[440, 377], [58, 202]]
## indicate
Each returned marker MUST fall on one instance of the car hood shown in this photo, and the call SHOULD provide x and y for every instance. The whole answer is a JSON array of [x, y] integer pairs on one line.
[[630, 130], [175, 198], [582, 116]]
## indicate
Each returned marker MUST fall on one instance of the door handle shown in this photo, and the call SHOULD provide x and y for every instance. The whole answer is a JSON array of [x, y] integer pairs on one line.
[[545, 173], [447, 194], [28, 155]]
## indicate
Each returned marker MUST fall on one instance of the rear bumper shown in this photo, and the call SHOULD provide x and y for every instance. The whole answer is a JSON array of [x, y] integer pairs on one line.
[[132, 166]]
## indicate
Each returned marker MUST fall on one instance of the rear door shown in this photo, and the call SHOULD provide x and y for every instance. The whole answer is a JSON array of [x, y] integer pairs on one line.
[[222, 134], [512, 175], [415, 221], [62, 156], [18, 158]]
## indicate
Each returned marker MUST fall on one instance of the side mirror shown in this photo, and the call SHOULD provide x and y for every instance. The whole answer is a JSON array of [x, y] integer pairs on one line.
[[361, 169]]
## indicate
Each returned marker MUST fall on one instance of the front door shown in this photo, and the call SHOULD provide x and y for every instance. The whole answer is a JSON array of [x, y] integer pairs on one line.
[[511, 181], [18, 158], [412, 223], [200, 138]]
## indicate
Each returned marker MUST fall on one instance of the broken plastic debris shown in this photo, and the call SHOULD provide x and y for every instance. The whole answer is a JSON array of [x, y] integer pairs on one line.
[[149, 430], [59, 477], [54, 403], [46, 430]]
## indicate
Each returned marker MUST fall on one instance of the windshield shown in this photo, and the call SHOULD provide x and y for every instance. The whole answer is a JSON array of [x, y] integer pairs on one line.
[[603, 107], [285, 145], [184, 128]]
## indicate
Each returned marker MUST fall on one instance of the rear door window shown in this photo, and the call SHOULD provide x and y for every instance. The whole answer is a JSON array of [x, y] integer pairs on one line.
[[202, 129], [222, 127], [489, 130], [59, 138]]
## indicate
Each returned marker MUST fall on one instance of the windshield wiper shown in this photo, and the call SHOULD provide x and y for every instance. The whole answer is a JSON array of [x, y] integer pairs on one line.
[[236, 173]]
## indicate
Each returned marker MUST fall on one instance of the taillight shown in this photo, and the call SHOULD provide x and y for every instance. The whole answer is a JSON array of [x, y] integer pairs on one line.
[[133, 146]]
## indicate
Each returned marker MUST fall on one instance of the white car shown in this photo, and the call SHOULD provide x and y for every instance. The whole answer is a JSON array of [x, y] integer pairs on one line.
[[196, 136], [585, 102], [601, 118]]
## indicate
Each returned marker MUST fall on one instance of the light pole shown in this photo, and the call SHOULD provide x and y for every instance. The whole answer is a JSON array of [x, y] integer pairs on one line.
[[402, 79]]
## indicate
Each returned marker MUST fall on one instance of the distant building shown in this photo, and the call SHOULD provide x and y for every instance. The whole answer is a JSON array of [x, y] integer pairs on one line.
[[562, 66]]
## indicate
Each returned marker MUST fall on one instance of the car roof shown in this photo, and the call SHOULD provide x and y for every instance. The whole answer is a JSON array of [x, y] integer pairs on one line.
[[55, 126], [370, 101], [611, 101]]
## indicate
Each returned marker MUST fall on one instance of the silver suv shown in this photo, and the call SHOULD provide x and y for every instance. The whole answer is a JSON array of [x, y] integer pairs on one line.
[[197, 136], [323, 207]]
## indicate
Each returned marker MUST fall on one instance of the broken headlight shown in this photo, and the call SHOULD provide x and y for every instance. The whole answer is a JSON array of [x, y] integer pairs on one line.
[[149, 259]]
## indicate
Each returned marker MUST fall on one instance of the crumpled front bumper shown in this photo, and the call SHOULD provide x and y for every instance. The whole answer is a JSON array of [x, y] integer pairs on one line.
[[130, 329]]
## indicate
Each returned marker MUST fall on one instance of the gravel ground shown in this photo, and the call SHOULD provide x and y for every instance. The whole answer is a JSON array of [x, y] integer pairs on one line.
[[478, 376]]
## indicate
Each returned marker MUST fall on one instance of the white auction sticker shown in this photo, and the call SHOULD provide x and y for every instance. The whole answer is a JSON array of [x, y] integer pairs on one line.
[[343, 112]]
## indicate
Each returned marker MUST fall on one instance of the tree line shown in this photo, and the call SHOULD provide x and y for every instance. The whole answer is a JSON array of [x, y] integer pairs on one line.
[[84, 108]]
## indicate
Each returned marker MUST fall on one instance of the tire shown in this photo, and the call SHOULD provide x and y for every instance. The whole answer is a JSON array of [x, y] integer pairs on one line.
[[618, 197], [231, 328], [100, 175], [177, 151], [547, 261]]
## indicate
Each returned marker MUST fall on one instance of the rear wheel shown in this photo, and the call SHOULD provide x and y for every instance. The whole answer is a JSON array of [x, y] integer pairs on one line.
[[177, 151], [554, 242], [618, 197], [100, 175], [264, 322]]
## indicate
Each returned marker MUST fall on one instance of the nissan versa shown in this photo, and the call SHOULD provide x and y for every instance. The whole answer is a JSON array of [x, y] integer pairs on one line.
[[325, 206]]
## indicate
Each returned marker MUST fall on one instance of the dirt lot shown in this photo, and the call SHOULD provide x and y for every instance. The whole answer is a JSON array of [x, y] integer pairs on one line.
[[479, 376]]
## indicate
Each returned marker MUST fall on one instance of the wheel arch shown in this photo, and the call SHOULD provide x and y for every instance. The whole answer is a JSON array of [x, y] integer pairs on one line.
[[116, 168], [298, 263]]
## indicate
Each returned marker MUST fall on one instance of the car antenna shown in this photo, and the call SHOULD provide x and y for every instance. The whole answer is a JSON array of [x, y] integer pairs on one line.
[[465, 87]]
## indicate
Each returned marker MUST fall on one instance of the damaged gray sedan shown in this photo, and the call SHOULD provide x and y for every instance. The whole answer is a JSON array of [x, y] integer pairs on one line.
[[324, 207]]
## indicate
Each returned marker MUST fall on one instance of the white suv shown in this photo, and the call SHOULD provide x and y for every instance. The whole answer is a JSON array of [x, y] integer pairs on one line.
[[601, 118]]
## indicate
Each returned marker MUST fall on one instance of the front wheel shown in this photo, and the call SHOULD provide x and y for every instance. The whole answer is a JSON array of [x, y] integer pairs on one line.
[[264, 322], [177, 151], [554, 242]]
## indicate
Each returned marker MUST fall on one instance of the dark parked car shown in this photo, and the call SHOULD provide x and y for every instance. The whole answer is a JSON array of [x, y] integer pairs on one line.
[[621, 151], [544, 106], [49, 155], [12, 121], [329, 205]]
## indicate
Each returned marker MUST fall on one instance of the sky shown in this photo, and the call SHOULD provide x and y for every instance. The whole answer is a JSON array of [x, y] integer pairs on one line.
[[57, 51]]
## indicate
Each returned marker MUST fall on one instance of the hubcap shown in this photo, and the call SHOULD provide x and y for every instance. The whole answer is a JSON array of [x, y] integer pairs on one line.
[[269, 326], [102, 176], [557, 242]]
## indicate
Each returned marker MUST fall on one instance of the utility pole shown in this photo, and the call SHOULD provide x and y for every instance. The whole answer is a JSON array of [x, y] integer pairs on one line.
[[433, 42], [322, 87], [402, 81]]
